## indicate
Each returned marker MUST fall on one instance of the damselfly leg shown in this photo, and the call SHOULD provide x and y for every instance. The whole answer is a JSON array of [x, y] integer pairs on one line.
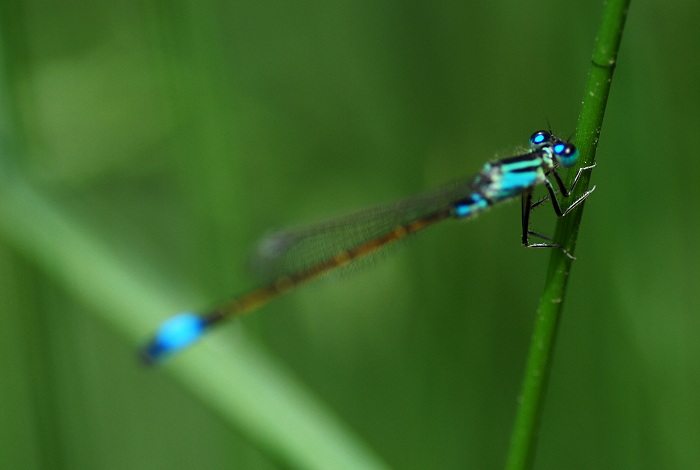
[[527, 207]]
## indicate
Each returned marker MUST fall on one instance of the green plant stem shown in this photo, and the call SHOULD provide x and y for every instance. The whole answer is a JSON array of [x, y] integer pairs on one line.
[[531, 400]]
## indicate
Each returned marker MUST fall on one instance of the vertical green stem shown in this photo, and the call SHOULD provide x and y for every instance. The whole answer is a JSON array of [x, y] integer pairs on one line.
[[531, 400]]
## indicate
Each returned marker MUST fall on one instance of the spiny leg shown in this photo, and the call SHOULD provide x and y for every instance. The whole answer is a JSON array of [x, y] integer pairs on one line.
[[526, 208], [555, 203], [539, 235], [562, 187]]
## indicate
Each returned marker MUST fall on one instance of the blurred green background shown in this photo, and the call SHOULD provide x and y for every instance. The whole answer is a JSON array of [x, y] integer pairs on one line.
[[147, 145]]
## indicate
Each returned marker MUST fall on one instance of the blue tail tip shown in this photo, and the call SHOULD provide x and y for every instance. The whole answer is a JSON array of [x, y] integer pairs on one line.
[[177, 332]]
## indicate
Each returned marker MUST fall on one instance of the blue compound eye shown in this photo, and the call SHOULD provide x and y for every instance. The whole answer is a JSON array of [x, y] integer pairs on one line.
[[540, 138], [566, 154]]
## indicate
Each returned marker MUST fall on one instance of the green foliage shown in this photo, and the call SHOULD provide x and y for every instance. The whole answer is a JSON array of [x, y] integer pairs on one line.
[[145, 146]]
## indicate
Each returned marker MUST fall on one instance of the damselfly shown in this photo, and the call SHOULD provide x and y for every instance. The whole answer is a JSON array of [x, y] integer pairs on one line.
[[294, 257]]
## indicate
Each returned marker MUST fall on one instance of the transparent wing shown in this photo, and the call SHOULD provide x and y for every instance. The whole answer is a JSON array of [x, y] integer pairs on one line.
[[293, 250]]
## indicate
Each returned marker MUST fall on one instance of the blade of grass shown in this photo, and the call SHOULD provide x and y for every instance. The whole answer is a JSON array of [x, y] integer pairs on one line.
[[240, 382], [525, 430]]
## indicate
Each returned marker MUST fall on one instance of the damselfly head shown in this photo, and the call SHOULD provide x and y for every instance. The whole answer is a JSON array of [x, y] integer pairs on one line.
[[563, 152]]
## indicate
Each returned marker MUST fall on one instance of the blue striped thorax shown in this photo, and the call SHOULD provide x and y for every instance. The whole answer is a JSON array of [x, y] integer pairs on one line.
[[512, 176]]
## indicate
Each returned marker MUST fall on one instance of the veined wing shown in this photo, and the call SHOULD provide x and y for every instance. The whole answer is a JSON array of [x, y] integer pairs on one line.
[[289, 251]]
